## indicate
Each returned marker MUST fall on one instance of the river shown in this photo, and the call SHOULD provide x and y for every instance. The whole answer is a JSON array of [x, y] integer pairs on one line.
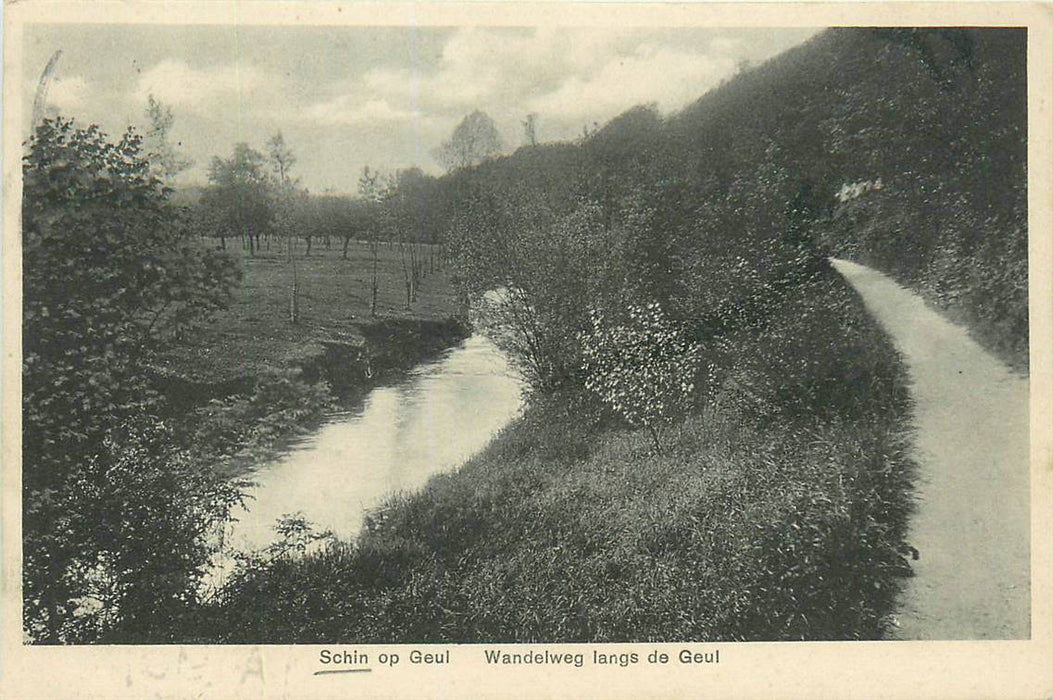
[[430, 421]]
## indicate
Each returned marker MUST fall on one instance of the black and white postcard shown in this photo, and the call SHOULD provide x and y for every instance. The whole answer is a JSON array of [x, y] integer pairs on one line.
[[527, 350]]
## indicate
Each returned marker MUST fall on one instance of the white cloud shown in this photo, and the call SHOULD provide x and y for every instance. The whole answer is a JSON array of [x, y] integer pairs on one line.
[[669, 77], [346, 110], [490, 69], [568, 76], [726, 45], [177, 84], [67, 93]]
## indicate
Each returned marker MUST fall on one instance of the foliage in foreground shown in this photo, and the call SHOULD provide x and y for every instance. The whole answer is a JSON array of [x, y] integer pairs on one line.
[[115, 521], [139, 518]]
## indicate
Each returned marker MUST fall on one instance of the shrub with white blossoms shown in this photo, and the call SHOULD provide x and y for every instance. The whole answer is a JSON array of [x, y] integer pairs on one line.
[[644, 368]]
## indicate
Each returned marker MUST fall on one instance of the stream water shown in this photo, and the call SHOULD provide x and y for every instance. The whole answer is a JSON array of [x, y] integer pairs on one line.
[[430, 421]]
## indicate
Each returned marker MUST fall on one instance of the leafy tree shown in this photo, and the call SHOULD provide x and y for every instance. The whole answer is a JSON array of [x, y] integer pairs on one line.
[[547, 270], [165, 160], [334, 218], [109, 275], [290, 204], [473, 141], [346, 218], [240, 196]]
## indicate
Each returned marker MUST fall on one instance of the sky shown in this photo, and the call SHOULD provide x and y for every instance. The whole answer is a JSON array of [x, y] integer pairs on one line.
[[347, 97]]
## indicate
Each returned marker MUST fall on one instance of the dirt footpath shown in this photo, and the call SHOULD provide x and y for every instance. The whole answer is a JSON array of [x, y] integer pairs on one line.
[[971, 527]]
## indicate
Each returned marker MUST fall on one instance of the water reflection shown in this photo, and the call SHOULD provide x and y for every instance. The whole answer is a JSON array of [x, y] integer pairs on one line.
[[430, 422]]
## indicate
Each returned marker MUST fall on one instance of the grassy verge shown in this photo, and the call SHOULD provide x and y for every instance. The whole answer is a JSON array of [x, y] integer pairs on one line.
[[773, 520]]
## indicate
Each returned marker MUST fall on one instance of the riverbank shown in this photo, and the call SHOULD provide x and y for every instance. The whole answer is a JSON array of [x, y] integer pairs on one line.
[[427, 421], [349, 367], [241, 424], [250, 382], [784, 520]]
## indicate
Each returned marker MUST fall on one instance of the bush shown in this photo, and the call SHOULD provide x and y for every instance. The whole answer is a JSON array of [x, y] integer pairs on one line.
[[139, 525], [646, 368]]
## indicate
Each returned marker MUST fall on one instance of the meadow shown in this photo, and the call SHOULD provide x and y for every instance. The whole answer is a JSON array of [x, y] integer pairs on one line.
[[254, 333]]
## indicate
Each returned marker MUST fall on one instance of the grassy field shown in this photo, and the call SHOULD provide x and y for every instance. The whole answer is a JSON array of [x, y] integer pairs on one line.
[[255, 334]]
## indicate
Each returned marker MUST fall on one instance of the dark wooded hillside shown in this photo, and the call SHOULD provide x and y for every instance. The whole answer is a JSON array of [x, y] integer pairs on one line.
[[901, 148]]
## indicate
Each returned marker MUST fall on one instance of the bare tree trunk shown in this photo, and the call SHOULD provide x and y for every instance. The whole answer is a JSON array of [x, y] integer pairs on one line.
[[373, 296], [654, 437], [407, 280], [415, 269], [418, 270], [294, 292], [347, 242]]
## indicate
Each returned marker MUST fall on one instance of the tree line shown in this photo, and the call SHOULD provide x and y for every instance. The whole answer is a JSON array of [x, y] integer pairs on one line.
[[710, 211]]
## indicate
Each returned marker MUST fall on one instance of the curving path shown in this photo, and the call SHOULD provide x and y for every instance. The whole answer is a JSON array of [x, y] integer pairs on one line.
[[971, 526]]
